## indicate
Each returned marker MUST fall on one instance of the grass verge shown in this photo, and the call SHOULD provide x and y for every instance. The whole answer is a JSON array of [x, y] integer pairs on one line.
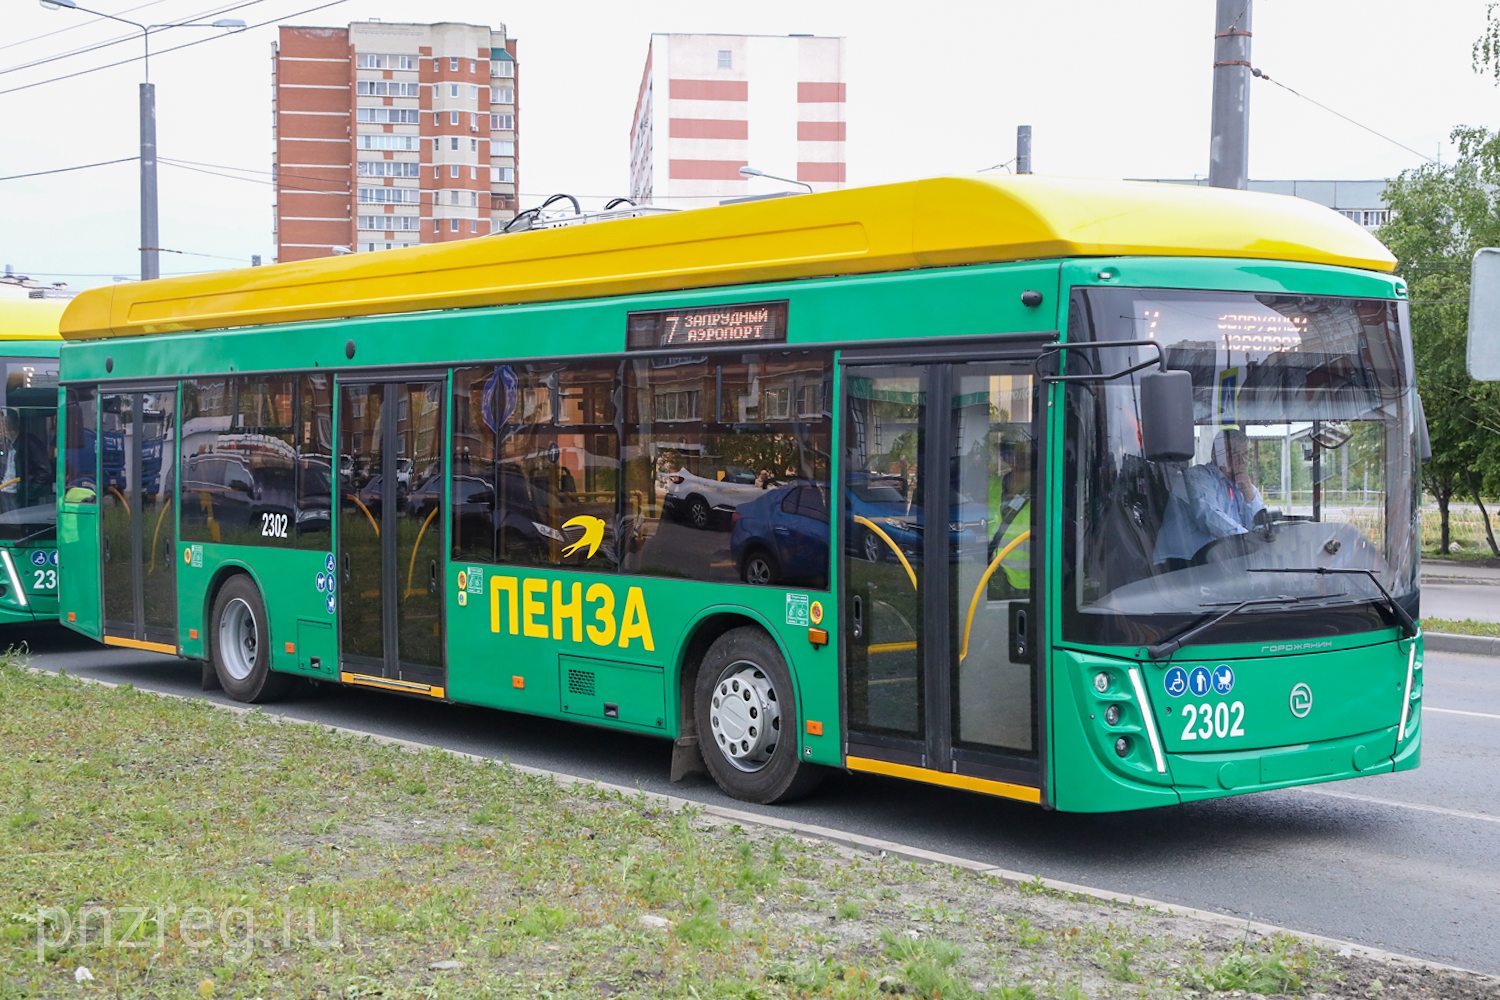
[[157, 847], [1467, 626]]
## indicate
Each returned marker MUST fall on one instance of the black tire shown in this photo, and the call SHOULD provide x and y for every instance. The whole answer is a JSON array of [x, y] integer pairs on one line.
[[761, 568], [239, 644], [698, 512], [759, 775]]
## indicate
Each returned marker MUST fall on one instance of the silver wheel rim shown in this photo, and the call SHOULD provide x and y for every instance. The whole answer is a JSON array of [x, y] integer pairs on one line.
[[698, 512], [745, 716], [872, 547], [239, 639], [758, 571]]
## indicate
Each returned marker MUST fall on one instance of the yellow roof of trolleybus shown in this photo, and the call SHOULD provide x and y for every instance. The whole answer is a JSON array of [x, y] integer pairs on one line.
[[31, 319], [928, 223]]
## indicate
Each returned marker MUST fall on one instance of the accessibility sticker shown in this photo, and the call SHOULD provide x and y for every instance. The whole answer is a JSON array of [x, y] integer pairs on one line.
[[1199, 682], [329, 564], [796, 609], [476, 580], [332, 604], [1223, 678], [1175, 682], [39, 558], [322, 582]]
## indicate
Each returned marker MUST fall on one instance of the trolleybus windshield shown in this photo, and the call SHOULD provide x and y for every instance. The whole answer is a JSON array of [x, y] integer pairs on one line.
[[1305, 453], [28, 449]]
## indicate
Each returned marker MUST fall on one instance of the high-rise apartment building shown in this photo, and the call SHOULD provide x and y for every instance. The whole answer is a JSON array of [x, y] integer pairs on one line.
[[711, 104], [389, 135]]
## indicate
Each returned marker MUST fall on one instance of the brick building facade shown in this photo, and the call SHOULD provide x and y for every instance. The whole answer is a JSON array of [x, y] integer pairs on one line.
[[389, 135], [711, 104]]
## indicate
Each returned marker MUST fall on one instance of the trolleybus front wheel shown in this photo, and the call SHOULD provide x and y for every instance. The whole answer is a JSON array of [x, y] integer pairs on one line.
[[747, 720], [240, 644]]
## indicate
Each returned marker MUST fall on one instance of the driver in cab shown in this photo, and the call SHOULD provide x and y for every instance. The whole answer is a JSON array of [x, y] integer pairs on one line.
[[1208, 502]]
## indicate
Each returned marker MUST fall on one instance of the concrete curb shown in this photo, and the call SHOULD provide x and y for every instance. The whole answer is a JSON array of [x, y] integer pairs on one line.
[[873, 845], [1447, 642]]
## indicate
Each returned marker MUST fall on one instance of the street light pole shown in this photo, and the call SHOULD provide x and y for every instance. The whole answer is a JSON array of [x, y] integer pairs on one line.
[[150, 234], [748, 172]]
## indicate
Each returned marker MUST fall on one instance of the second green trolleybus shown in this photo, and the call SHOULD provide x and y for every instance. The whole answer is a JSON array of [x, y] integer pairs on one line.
[[1094, 495]]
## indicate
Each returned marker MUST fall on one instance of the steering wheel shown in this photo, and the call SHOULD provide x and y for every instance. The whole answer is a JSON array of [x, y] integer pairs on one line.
[[1228, 547]]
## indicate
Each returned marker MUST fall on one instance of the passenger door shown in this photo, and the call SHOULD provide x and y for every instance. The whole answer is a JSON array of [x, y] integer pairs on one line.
[[939, 624], [390, 535], [137, 525]]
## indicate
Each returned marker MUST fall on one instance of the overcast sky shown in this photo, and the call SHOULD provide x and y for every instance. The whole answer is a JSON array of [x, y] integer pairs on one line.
[[1111, 89]]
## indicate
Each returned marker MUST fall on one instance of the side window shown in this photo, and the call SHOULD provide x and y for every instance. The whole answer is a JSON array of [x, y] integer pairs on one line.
[[712, 437], [556, 466], [79, 450], [314, 462], [478, 403], [238, 460]]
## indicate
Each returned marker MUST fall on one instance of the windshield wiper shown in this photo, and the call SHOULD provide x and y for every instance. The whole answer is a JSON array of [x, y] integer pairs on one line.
[[1408, 625], [1172, 645]]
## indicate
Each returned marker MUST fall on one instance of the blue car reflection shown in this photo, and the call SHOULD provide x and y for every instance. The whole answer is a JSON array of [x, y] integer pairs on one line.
[[891, 505], [782, 536]]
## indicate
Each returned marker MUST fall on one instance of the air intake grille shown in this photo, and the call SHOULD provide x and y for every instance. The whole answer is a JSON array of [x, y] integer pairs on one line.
[[581, 682]]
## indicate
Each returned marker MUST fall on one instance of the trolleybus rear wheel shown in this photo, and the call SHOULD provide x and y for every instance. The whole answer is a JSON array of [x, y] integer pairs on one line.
[[747, 720], [240, 644]]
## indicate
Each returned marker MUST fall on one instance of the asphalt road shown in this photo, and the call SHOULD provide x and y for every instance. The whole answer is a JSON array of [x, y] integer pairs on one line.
[[1409, 862], [1458, 601]]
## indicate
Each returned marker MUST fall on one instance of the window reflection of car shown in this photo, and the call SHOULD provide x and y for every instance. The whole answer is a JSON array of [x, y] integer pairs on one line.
[[781, 536], [225, 483], [705, 502], [314, 509], [403, 473], [888, 502]]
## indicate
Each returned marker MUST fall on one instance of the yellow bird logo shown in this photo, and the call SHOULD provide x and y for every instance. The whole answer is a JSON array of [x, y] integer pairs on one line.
[[593, 534]]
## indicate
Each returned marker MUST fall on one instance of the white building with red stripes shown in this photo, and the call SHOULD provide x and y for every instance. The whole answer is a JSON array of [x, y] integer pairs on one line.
[[711, 104]]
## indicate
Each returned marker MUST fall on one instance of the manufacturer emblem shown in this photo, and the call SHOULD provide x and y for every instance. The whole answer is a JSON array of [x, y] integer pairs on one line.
[[1301, 702], [593, 534]]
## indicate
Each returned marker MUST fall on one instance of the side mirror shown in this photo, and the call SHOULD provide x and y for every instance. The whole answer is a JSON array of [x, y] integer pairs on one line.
[[1424, 442], [1167, 416], [1484, 315]]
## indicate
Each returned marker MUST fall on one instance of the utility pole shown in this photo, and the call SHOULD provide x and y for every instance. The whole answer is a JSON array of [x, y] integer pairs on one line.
[[1229, 150], [1023, 149], [150, 247]]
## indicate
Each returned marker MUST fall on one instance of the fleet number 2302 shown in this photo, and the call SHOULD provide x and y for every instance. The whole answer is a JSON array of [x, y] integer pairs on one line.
[[1211, 720]]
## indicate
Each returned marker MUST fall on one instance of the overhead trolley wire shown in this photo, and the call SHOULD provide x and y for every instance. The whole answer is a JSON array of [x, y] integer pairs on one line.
[[63, 170], [120, 39], [185, 45], [75, 25], [1261, 74]]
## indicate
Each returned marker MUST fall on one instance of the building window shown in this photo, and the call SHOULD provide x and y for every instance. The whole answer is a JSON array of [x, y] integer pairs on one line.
[[473, 225], [376, 60], [388, 116], [386, 88], [473, 93], [437, 66], [473, 199], [437, 225], [502, 69], [502, 147], [453, 225], [453, 142], [453, 197], [473, 145], [437, 171], [389, 168], [453, 63], [452, 90], [453, 118], [389, 196], [397, 142], [726, 59], [503, 95], [390, 223], [471, 65], [502, 123], [453, 170], [502, 175]]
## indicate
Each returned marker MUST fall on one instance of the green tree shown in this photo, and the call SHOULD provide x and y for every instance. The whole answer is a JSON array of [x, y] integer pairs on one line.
[[1440, 216]]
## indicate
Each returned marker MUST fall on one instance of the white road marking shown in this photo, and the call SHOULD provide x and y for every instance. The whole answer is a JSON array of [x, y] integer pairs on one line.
[[1440, 810], [1457, 711]]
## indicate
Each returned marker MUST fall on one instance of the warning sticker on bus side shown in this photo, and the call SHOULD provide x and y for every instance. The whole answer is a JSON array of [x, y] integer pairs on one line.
[[796, 609]]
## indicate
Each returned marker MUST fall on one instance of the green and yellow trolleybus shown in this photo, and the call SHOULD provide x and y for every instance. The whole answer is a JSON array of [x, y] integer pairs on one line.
[[29, 344], [678, 474]]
